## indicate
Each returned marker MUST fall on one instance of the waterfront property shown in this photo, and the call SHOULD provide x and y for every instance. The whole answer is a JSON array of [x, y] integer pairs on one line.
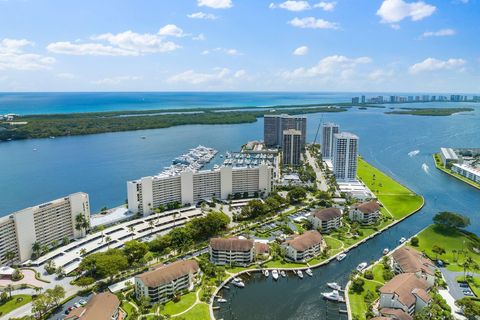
[[189, 187], [165, 281], [462, 163], [448, 156], [345, 153], [43, 225], [406, 292], [275, 125], [326, 220], [292, 148], [102, 306], [304, 247], [409, 260], [232, 251], [366, 213], [328, 131]]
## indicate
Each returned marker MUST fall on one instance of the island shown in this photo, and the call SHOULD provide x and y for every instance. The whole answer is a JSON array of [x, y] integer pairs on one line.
[[429, 111]]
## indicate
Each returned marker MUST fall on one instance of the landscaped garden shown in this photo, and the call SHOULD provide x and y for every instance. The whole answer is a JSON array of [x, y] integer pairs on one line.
[[8, 304]]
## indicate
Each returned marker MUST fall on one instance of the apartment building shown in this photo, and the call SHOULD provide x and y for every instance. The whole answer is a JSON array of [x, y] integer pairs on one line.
[[190, 187], [366, 212], [328, 131], [101, 306], [232, 251], [345, 152], [45, 223], [274, 125], [292, 148], [326, 220], [409, 260], [163, 282], [304, 246]]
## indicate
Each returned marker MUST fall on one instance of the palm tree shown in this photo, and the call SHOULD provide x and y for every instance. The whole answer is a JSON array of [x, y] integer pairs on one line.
[[151, 224], [469, 262], [9, 289], [131, 229], [9, 256], [81, 223], [36, 247], [83, 251], [107, 240]]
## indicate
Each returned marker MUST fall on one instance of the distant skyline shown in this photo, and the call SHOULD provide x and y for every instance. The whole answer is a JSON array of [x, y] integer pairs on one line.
[[240, 45]]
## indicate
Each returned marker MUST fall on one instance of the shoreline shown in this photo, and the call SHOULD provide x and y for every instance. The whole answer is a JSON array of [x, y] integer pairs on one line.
[[460, 178]]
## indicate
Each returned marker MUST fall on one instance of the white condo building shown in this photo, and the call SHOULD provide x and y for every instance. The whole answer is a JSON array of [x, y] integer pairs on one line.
[[44, 223], [345, 152], [328, 131], [189, 187]]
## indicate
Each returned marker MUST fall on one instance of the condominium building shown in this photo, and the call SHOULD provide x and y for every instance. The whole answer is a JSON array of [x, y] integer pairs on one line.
[[43, 224], [365, 213], [163, 282], [190, 187], [304, 246], [232, 251], [345, 152], [274, 125], [328, 131], [467, 171], [326, 220], [409, 260], [101, 306], [292, 147]]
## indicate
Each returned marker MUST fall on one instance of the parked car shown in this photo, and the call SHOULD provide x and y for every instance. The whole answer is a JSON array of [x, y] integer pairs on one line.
[[82, 302], [463, 285], [77, 305]]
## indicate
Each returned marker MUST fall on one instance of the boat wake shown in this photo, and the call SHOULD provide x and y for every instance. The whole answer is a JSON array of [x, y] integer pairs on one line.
[[413, 153], [426, 168]]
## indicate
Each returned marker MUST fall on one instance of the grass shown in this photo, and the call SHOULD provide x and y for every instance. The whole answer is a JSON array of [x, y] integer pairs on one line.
[[474, 283], [185, 302], [200, 311], [283, 264], [440, 166], [127, 306], [449, 240], [358, 305], [396, 198], [333, 243], [14, 303]]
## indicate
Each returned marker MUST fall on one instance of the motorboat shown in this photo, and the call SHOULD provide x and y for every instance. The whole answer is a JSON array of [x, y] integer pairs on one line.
[[362, 266], [341, 256], [275, 274], [333, 296], [237, 279], [334, 286], [300, 274], [402, 240], [386, 251], [239, 284], [221, 300], [283, 273], [309, 272], [266, 273]]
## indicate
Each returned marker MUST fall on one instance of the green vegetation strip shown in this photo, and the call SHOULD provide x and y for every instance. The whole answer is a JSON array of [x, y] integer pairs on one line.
[[200, 311], [186, 301], [429, 111], [440, 166], [14, 303]]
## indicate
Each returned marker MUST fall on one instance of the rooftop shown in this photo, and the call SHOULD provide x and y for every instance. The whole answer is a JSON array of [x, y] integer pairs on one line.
[[327, 213], [403, 286], [231, 244], [412, 261], [167, 273], [367, 207], [305, 241], [100, 307]]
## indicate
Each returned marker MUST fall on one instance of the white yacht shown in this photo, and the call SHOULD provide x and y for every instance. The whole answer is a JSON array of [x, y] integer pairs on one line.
[[386, 251], [239, 284], [283, 273], [266, 273], [221, 300], [362, 266], [275, 274], [300, 274], [341, 256], [333, 296], [309, 272], [334, 286], [402, 240]]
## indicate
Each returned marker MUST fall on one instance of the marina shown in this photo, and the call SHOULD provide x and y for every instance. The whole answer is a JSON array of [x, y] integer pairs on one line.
[[193, 161]]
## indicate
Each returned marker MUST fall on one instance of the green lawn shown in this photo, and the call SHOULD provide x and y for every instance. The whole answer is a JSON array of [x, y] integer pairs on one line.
[[399, 200], [127, 307], [283, 264], [333, 243], [14, 303], [474, 283], [449, 240], [357, 301], [200, 311], [185, 302]]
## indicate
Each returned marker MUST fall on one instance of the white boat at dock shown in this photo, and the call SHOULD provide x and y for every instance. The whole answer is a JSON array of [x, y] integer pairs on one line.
[[386, 251], [221, 300], [238, 282], [362, 266], [333, 296], [275, 274], [334, 286], [402, 240], [341, 256], [300, 274], [309, 272], [266, 273], [283, 273]]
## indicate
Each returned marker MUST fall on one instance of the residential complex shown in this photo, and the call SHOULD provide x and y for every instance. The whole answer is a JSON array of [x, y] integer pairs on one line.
[[44, 224], [304, 247], [232, 251], [345, 152], [163, 282], [463, 161], [326, 220], [292, 147], [328, 131], [365, 213], [190, 187], [274, 125], [409, 260], [102, 306]]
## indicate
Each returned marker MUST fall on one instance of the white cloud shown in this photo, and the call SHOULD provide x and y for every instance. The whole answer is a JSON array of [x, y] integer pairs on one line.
[[202, 15], [432, 64], [379, 75], [335, 65], [66, 75], [393, 11], [218, 76], [291, 5], [326, 6], [200, 37], [300, 51], [126, 43], [313, 23], [12, 56], [227, 51], [439, 33], [171, 30], [116, 80], [215, 4]]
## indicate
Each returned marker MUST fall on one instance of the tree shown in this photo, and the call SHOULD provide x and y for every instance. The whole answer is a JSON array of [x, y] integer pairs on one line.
[[105, 264], [60, 272], [469, 307], [50, 267], [451, 220], [131, 229], [84, 282], [357, 285], [181, 239], [56, 294], [438, 251], [296, 195], [3, 296], [9, 256], [83, 251], [36, 248], [107, 240], [9, 289], [254, 208], [414, 241], [81, 223], [467, 265], [135, 251]]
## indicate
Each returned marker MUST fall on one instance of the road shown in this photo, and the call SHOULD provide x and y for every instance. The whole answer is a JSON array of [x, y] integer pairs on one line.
[[321, 181]]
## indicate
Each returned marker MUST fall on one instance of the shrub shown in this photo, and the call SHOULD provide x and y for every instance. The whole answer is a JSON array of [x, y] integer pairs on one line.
[[368, 274], [414, 241]]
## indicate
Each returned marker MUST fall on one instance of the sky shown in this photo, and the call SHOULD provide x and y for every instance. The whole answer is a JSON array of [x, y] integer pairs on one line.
[[240, 45]]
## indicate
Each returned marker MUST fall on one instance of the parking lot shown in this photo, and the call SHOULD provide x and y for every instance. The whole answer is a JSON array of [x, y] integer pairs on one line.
[[60, 314], [457, 290]]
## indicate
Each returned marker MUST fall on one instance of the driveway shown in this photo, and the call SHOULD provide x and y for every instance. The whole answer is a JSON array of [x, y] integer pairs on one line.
[[453, 287], [456, 312]]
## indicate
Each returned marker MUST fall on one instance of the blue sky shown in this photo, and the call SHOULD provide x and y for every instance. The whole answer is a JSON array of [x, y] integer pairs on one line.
[[143, 45]]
